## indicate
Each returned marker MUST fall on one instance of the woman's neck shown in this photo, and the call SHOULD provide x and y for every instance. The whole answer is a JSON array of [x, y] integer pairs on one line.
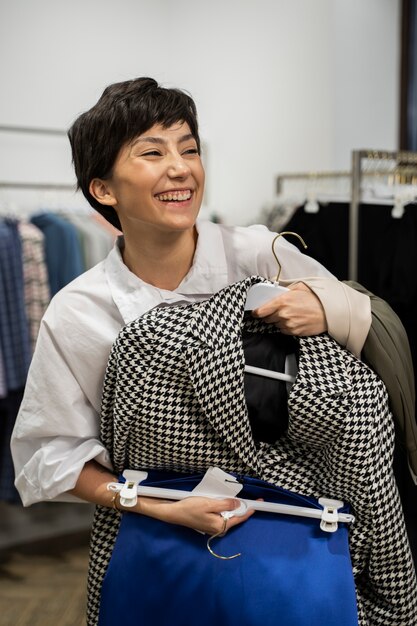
[[163, 263]]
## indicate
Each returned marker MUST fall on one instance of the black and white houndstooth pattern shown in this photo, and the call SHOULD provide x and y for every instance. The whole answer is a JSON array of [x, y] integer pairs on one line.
[[174, 399]]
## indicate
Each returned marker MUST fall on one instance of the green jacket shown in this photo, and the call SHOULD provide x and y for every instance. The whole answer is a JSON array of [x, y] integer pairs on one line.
[[387, 351]]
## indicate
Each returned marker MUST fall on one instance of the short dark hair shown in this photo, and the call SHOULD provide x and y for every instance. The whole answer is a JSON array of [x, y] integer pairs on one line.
[[124, 111]]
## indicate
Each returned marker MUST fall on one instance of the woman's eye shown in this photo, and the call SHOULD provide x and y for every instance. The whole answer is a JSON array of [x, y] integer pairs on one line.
[[191, 151], [151, 153]]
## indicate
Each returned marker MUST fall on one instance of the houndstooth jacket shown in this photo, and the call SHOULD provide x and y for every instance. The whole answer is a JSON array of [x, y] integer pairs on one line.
[[173, 399]]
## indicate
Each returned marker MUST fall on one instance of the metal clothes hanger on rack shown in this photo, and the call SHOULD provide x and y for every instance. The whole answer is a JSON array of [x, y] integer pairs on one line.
[[399, 168], [378, 163]]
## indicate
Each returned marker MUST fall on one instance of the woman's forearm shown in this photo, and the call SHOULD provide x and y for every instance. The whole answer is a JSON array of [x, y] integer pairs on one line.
[[202, 514], [92, 484]]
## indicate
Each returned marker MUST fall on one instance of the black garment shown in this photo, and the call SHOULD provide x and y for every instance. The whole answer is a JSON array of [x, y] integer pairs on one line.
[[9, 408], [266, 398], [326, 234], [387, 262], [387, 265]]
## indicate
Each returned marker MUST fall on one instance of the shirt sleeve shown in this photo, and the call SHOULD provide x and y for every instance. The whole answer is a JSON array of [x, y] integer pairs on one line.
[[57, 428], [347, 311]]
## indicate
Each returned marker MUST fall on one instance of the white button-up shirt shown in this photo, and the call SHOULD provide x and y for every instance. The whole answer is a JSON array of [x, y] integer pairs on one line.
[[57, 429]]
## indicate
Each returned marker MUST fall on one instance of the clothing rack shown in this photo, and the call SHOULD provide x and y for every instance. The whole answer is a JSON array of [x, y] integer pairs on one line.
[[377, 163], [70, 522], [39, 186], [309, 176], [32, 130], [4, 184], [400, 167]]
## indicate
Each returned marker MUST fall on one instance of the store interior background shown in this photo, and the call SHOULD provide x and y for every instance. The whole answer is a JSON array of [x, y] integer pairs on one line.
[[280, 85]]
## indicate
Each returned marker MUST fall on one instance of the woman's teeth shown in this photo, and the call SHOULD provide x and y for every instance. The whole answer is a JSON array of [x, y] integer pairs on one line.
[[176, 196]]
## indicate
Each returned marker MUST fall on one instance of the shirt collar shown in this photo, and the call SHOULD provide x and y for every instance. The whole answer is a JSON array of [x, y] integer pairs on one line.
[[208, 274]]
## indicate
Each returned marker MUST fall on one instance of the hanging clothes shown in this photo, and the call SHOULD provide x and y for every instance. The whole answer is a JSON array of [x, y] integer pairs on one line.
[[15, 348], [14, 329], [62, 250], [3, 385], [96, 242], [36, 259], [35, 277], [9, 407], [174, 400], [387, 258], [326, 234]]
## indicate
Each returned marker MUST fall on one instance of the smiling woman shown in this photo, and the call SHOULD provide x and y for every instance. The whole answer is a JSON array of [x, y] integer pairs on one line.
[[159, 170], [137, 158], [136, 154], [156, 188]]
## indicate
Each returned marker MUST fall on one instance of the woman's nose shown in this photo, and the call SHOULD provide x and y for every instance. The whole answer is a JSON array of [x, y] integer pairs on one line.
[[178, 167]]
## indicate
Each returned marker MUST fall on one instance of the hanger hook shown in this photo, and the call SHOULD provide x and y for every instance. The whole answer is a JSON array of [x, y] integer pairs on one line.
[[220, 534], [287, 232]]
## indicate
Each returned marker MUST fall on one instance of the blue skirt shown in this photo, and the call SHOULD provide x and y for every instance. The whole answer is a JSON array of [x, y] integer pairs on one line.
[[290, 573]]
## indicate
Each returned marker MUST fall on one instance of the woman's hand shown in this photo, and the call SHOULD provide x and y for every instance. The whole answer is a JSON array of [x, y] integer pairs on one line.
[[195, 512], [296, 312]]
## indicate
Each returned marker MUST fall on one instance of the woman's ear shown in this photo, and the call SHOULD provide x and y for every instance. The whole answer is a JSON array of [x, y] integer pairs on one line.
[[101, 191]]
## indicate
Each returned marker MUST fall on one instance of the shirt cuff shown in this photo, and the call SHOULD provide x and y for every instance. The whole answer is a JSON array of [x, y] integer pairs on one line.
[[348, 312], [54, 469]]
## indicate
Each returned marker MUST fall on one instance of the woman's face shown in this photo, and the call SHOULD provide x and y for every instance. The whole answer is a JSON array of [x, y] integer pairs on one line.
[[157, 180]]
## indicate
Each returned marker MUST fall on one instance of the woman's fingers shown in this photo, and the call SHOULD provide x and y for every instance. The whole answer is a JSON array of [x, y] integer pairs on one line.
[[296, 312], [204, 514]]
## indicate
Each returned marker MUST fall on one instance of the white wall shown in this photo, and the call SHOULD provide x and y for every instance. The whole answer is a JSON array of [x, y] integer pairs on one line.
[[366, 75], [280, 85]]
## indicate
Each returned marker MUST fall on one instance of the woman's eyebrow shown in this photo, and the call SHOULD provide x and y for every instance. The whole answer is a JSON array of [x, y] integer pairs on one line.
[[160, 140]]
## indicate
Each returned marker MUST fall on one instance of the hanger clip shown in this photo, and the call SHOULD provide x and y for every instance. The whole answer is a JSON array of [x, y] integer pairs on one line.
[[330, 515], [129, 490]]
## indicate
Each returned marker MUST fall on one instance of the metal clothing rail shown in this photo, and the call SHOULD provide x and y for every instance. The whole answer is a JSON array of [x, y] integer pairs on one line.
[[309, 176], [4, 184], [32, 130], [398, 166], [403, 168], [38, 186], [403, 164]]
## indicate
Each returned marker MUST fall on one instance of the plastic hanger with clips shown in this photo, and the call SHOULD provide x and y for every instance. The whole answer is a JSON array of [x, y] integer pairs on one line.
[[329, 515]]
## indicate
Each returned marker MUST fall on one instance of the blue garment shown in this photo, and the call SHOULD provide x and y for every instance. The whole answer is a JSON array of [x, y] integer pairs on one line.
[[63, 253], [14, 328], [289, 573]]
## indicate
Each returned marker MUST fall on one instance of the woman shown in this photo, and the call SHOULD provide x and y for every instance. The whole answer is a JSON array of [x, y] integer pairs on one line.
[[137, 159]]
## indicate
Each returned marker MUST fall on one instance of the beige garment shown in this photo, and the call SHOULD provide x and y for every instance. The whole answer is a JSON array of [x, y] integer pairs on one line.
[[338, 299]]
